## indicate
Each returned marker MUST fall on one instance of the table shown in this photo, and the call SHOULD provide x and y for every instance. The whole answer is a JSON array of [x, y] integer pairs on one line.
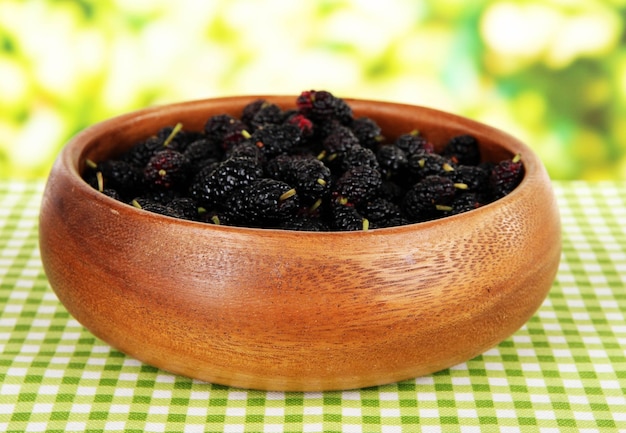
[[565, 370]]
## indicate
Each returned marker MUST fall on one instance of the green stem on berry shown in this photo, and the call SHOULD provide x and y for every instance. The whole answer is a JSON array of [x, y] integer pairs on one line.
[[136, 204], [443, 207], [461, 186], [331, 157], [100, 180], [321, 155], [321, 181], [91, 164], [366, 224], [447, 167], [517, 158], [315, 205], [216, 220], [342, 201], [246, 134], [284, 196], [175, 131]]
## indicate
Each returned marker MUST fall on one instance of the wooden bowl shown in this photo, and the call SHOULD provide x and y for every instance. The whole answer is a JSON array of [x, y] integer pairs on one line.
[[284, 310]]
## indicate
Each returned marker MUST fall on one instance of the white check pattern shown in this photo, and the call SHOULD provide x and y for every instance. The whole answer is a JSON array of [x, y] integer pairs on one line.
[[565, 370]]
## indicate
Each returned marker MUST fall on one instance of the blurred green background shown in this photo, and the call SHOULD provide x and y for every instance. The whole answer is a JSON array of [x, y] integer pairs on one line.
[[552, 72]]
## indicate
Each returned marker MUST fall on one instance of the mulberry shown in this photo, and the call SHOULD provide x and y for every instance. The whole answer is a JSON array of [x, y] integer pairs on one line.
[[304, 223], [356, 156], [347, 218], [340, 141], [428, 198], [276, 139], [423, 164], [462, 149], [358, 184], [119, 175], [216, 127], [381, 212], [213, 185], [321, 106], [414, 142], [367, 131], [202, 152], [251, 109], [264, 202], [505, 176], [309, 176], [392, 160], [475, 177], [167, 169], [266, 114]]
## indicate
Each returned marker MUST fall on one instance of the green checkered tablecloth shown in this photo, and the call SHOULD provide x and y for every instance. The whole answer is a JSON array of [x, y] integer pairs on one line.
[[565, 370]]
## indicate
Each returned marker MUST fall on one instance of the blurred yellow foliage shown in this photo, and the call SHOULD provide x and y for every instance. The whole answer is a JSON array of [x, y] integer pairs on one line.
[[551, 72]]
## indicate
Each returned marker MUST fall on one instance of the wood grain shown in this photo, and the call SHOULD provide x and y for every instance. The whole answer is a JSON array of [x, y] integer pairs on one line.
[[281, 310]]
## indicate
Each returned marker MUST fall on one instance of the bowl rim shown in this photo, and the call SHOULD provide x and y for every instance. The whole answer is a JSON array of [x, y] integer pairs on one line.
[[72, 155]]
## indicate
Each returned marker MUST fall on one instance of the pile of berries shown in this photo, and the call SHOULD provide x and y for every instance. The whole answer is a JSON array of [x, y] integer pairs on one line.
[[315, 167]]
